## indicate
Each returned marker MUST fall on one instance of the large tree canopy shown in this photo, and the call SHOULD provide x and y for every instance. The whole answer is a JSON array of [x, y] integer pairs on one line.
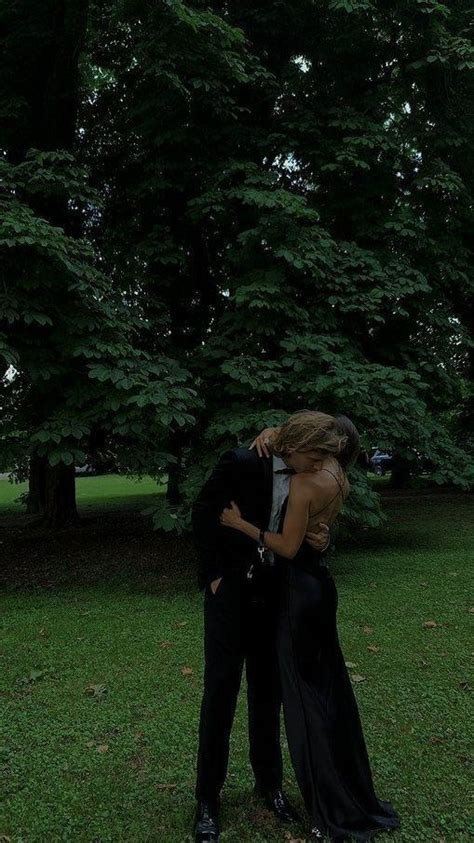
[[284, 222]]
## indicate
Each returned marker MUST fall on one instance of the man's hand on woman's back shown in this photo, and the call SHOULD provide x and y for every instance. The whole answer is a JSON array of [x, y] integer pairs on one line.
[[321, 539]]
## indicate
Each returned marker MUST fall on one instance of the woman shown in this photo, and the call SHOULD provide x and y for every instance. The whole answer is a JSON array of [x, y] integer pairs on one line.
[[322, 723]]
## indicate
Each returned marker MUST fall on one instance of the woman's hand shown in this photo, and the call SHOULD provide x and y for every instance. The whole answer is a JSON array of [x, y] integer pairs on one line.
[[231, 517], [261, 441]]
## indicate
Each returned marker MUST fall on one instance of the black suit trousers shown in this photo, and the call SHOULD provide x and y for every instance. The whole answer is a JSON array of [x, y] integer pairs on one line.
[[240, 626]]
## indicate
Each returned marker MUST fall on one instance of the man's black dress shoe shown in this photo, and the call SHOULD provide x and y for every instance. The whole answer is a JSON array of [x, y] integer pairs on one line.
[[206, 829], [276, 801]]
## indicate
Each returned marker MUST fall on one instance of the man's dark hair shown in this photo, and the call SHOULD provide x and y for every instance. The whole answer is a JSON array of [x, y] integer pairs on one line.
[[348, 456]]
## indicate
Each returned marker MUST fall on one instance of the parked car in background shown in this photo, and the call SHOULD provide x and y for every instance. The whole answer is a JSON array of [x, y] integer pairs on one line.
[[81, 470], [99, 463], [380, 462]]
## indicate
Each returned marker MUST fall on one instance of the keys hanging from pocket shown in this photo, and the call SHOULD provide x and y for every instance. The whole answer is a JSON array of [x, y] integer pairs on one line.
[[261, 551]]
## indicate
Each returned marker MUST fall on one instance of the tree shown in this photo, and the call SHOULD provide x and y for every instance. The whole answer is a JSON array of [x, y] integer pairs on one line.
[[286, 207], [66, 331], [287, 203]]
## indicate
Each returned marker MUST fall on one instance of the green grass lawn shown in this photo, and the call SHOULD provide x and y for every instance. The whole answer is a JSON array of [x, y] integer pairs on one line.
[[100, 722], [108, 490]]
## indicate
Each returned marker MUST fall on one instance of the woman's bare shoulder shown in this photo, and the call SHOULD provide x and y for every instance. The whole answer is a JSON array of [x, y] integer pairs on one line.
[[318, 479], [301, 485], [326, 481]]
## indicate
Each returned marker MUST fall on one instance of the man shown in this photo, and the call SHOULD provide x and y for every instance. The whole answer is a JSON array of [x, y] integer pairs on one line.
[[240, 613]]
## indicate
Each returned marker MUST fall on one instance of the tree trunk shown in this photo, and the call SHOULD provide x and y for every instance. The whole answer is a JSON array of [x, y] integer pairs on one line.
[[50, 40], [400, 472], [37, 481], [173, 491], [60, 496]]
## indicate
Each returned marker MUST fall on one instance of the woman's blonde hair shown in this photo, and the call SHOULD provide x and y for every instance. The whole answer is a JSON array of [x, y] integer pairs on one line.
[[309, 430]]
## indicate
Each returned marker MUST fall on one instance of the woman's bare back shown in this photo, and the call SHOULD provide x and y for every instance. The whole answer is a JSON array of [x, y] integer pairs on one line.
[[331, 488]]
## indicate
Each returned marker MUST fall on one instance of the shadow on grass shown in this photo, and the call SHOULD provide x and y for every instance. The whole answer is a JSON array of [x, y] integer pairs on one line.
[[111, 546], [116, 547]]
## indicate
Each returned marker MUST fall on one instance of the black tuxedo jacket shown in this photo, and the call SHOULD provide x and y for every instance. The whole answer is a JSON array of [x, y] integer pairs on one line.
[[244, 477]]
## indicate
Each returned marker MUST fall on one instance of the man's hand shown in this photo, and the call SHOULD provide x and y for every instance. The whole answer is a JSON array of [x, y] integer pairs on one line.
[[321, 539], [215, 584], [262, 440]]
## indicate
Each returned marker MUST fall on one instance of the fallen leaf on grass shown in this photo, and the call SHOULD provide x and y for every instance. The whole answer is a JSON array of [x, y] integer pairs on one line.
[[165, 644], [373, 648], [181, 623], [33, 676], [291, 839], [429, 624], [97, 691], [166, 786], [186, 671], [351, 665], [90, 744], [356, 677], [367, 630], [103, 747], [471, 610], [38, 674]]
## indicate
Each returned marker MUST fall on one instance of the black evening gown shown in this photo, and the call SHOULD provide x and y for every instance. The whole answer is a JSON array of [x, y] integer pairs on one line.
[[322, 721]]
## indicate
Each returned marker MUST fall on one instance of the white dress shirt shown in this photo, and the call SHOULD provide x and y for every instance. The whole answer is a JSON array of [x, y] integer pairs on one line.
[[281, 487]]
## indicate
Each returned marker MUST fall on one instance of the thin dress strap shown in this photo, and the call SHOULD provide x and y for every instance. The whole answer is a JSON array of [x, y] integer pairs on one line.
[[335, 478], [339, 492]]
